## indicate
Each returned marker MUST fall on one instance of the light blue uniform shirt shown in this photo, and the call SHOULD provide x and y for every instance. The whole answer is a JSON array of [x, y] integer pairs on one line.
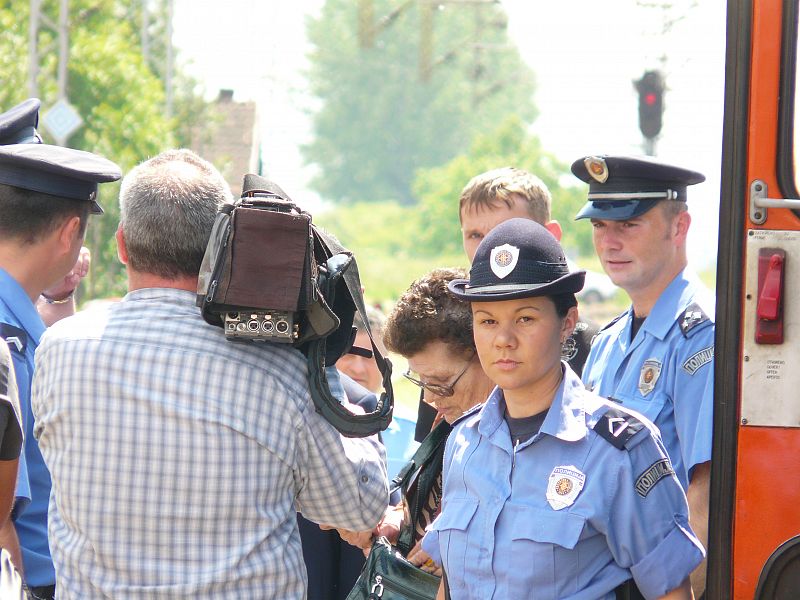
[[666, 372], [33, 481], [566, 514]]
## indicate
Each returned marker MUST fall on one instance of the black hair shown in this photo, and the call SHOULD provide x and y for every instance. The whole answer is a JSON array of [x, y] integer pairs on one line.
[[563, 303], [27, 216]]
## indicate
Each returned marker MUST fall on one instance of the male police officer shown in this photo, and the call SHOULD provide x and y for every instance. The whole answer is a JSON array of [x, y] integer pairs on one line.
[[657, 357], [46, 195]]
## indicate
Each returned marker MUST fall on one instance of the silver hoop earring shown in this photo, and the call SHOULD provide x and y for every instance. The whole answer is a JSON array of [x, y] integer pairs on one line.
[[569, 349]]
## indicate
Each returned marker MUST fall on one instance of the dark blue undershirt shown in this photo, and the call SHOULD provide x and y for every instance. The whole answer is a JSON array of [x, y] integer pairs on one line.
[[524, 428]]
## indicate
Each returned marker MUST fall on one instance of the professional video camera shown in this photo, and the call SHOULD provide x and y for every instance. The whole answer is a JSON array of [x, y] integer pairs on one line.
[[270, 275]]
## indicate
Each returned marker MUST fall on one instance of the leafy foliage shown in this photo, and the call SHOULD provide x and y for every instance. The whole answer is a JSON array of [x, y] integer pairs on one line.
[[438, 230], [381, 235], [379, 119], [119, 96], [395, 244]]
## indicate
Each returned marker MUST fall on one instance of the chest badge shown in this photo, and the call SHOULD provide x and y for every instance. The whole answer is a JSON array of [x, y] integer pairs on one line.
[[563, 486], [648, 376], [503, 259]]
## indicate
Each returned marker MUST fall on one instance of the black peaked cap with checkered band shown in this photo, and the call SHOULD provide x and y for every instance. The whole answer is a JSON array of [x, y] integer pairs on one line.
[[518, 259], [624, 187]]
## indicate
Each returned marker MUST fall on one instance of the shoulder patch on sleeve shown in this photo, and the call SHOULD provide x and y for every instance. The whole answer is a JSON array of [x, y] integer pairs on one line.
[[470, 412], [618, 427], [655, 473], [691, 318], [692, 364], [15, 337]]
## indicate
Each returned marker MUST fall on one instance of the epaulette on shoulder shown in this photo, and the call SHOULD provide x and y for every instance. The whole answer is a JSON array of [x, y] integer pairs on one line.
[[468, 413], [15, 337], [691, 318], [618, 427]]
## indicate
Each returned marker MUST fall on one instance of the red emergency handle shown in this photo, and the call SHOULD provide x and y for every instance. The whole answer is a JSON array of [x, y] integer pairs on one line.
[[769, 304], [769, 300]]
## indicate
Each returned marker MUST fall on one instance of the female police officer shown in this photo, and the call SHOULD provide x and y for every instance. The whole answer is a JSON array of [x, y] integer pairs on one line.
[[550, 491]]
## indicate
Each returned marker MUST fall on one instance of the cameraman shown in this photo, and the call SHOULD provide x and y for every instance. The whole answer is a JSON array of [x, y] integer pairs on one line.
[[179, 458]]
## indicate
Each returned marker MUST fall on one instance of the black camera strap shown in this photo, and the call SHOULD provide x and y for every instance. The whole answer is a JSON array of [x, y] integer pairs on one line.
[[347, 423]]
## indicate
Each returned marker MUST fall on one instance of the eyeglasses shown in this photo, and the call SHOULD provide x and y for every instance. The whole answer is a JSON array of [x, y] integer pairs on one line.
[[445, 391]]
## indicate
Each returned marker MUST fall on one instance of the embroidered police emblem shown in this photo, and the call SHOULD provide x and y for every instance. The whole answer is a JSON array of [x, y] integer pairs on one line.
[[597, 168], [648, 376], [563, 486], [503, 259]]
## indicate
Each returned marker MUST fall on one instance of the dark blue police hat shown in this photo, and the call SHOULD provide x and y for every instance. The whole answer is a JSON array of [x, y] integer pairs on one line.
[[18, 125], [64, 172], [517, 259], [624, 187]]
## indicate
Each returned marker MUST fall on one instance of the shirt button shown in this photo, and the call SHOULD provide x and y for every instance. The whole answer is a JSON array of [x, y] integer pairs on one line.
[[364, 479]]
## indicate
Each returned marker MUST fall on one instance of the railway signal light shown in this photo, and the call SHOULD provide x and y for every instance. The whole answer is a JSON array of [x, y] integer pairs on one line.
[[651, 103]]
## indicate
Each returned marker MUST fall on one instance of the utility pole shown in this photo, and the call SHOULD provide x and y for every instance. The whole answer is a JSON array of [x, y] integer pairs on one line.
[[170, 59], [33, 49], [145, 31], [63, 48], [38, 19]]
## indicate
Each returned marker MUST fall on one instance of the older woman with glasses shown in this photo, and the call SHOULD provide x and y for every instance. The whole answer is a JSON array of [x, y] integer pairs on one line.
[[432, 329]]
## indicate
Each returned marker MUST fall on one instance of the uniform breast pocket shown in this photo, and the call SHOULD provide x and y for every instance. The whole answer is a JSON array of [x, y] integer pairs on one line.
[[650, 405], [451, 527], [543, 560]]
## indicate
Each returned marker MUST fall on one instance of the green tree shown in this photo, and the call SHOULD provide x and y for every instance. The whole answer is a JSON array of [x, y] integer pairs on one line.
[[380, 119], [119, 96], [437, 228]]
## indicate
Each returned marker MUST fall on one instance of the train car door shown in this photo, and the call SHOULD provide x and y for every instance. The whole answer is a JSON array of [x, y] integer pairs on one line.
[[755, 491]]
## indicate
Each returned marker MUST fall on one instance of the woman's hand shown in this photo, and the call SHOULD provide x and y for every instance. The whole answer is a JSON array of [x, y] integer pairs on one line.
[[389, 525], [422, 559]]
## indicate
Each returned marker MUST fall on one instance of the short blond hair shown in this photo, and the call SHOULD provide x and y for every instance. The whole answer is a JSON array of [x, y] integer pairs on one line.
[[501, 185]]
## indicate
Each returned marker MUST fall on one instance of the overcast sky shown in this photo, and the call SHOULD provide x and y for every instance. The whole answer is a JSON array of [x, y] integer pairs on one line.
[[585, 55]]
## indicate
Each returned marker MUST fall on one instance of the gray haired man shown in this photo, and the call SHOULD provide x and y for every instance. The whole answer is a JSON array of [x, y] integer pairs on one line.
[[179, 458]]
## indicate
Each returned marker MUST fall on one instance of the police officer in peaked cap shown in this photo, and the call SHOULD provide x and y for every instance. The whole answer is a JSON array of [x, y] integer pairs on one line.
[[549, 490], [656, 357], [46, 195]]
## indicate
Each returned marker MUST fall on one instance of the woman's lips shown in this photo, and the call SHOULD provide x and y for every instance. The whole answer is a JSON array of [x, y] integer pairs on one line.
[[505, 364]]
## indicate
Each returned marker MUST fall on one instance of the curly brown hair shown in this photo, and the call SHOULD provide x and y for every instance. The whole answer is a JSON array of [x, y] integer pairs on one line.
[[429, 312]]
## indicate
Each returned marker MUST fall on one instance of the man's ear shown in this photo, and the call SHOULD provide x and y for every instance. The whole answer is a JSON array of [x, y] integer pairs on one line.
[[70, 230], [554, 227], [681, 224], [122, 250]]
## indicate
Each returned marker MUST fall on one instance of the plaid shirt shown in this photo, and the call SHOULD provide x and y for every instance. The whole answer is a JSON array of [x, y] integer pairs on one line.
[[179, 458]]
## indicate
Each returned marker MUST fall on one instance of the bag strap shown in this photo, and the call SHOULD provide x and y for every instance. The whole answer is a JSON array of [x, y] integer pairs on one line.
[[422, 455], [430, 448]]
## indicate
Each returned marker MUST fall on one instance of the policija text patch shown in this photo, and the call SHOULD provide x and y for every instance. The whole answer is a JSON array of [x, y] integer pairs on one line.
[[657, 471]]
